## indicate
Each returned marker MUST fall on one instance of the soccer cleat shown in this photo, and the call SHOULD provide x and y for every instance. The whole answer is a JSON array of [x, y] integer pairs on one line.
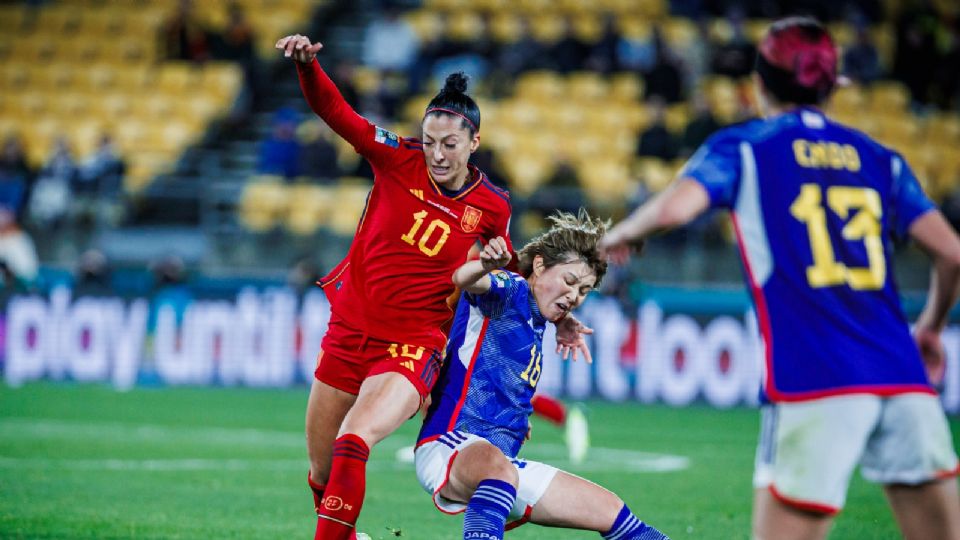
[[364, 536], [577, 435]]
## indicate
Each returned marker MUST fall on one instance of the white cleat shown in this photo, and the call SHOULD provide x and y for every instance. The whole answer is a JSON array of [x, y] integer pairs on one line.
[[577, 435], [364, 536]]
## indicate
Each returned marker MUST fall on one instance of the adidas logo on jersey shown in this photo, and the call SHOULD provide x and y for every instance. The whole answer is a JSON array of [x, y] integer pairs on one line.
[[407, 364]]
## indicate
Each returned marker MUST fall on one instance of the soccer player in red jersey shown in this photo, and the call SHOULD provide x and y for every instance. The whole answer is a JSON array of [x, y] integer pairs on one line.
[[383, 348]]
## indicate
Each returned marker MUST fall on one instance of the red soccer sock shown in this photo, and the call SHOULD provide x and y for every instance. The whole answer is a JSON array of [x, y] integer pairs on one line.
[[549, 408], [343, 494], [317, 490]]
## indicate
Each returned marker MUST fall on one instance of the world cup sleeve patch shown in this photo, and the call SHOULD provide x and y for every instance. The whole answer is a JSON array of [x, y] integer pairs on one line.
[[383, 136]]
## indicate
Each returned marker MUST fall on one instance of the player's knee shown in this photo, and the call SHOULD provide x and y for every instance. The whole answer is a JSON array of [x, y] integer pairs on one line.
[[497, 467]]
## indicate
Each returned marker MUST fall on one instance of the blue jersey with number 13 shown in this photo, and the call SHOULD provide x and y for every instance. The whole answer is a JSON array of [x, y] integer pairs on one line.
[[815, 205]]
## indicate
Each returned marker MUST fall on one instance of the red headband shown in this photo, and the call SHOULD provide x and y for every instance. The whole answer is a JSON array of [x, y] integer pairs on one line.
[[455, 113]]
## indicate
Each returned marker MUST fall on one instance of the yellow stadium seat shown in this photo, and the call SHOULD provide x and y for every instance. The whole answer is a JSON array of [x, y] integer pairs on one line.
[[506, 27], [540, 85], [655, 173], [586, 26], [547, 27], [586, 86], [605, 181], [626, 87], [351, 199], [679, 32], [263, 203], [525, 172], [310, 208], [464, 26], [426, 24], [888, 96], [178, 77]]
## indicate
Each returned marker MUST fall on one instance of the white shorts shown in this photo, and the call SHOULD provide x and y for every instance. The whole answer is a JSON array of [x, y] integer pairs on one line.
[[808, 450], [434, 459]]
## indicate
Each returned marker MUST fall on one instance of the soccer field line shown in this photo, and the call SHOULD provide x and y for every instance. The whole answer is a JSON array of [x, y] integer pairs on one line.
[[391, 454]]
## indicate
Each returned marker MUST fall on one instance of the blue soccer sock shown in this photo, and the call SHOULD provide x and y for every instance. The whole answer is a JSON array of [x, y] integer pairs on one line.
[[488, 509], [629, 527]]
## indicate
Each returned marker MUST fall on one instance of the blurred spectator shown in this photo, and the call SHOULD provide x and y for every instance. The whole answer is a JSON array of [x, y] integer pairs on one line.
[[389, 42], [92, 275], [318, 154], [637, 52], [102, 173], [656, 140], [569, 52], [342, 76], [236, 43], [736, 57], [701, 125], [52, 193], [522, 55], [183, 36], [18, 255], [664, 79], [16, 177], [915, 58], [99, 188], [561, 191], [170, 288], [947, 77], [603, 55], [695, 54], [280, 152], [484, 159], [303, 275], [861, 61]]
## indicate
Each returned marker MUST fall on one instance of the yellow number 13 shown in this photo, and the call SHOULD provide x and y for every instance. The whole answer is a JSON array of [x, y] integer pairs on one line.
[[864, 225]]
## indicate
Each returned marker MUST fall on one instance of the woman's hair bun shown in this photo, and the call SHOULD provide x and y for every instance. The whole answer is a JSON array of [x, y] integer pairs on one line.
[[455, 83]]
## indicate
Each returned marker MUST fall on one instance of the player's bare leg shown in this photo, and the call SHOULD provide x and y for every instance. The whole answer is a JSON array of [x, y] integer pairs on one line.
[[576, 503], [474, 464], [929, 511], [326, 409], [483, 477], [774, 520], [385, 401]]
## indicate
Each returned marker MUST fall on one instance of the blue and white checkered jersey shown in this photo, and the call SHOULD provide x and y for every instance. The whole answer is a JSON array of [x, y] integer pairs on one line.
[[815, 205], [493, 362]]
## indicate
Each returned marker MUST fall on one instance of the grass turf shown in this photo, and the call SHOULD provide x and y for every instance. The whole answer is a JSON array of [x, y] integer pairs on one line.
[[84, 461]]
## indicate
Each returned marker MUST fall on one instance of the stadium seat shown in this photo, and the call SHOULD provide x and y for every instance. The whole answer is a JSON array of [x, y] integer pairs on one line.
[[351, 198], [263, 202], [310, 207]]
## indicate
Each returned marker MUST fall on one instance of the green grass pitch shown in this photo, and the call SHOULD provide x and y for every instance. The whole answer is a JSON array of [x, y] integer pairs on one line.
[[83, 461]]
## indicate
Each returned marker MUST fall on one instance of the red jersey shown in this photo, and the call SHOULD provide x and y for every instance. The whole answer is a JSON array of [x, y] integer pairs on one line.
[[412, 235]]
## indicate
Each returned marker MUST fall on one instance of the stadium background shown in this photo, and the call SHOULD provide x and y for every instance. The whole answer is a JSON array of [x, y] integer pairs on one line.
[[174, 262]]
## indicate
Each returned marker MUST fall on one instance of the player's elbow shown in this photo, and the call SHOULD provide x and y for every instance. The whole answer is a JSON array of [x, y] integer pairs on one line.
[[672, 215]]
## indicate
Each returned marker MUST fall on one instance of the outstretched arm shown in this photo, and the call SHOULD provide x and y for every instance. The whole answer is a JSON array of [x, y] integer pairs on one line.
[[321, 94], [473, 276], [680, 203], [932, 232]]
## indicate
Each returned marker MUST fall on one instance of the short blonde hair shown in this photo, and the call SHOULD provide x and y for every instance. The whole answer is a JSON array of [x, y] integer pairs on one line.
[[570, 238]]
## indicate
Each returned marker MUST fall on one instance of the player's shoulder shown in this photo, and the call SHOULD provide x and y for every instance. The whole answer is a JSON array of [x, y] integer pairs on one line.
[[488, 187]]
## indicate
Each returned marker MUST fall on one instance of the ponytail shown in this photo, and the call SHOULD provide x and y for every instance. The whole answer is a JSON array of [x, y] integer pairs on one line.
[[452, 100]]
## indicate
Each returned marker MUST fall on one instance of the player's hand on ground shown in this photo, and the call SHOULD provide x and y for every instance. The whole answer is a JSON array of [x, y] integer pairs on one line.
[[299, 48], [570, 340], [931, 350], [495, 254]]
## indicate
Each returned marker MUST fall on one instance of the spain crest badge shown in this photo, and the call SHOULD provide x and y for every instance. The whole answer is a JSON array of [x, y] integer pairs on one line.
[[470, 219]]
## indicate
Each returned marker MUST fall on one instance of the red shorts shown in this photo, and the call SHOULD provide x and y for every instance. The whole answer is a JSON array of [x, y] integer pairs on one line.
[[348, 356]]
